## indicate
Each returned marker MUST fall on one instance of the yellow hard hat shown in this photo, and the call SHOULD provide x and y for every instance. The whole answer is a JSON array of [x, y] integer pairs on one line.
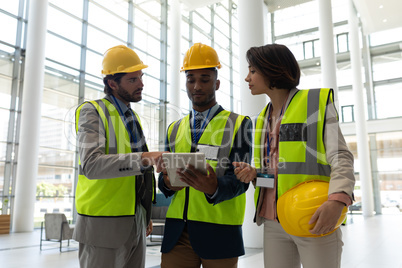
[[297, 205], [121, 59], [200, 56]]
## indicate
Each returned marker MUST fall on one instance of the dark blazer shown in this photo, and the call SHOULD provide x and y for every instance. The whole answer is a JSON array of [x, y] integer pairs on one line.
[[214, 241]]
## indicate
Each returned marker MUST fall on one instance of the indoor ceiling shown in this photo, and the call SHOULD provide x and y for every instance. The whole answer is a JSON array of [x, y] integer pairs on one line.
[[379, 15], [375, 15]]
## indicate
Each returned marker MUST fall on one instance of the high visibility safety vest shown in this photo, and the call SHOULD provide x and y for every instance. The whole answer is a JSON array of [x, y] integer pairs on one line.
[[114, 196], [302, 155], [191, 204]]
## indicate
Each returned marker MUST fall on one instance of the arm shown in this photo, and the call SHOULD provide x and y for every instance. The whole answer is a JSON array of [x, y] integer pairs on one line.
[[163, 180], [95, 163], [342, 176]]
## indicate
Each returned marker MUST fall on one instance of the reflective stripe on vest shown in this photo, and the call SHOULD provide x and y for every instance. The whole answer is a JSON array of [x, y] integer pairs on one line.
[[114, 196], [220, 131], [302, 155]]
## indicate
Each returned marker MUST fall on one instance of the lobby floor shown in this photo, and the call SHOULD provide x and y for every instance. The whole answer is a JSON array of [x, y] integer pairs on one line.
[[369, 242]]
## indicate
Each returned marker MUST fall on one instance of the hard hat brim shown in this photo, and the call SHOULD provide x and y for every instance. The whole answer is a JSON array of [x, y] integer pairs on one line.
[[131, 69], [199, 67]]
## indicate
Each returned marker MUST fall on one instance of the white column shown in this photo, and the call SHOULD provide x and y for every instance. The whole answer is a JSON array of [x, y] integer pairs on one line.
[[363, 151], [175, 62], [328, 59], [27, 168], [251, 32]]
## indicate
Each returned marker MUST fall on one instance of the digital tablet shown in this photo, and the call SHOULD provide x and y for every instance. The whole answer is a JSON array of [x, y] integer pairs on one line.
[[173, 161]]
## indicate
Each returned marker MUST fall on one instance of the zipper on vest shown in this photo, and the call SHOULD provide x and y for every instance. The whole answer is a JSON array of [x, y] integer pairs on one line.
[[186, 204]]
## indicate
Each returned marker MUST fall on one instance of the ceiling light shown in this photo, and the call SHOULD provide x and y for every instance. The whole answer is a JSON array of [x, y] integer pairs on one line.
[[381, 6], [279, 7], [384, 20]]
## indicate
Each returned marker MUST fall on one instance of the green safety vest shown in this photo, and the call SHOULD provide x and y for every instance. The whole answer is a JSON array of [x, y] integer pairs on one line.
[[302, 155], [191, 204], [114, 196]]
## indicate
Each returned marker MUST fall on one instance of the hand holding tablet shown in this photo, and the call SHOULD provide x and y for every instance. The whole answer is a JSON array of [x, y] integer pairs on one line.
[[174, 161]]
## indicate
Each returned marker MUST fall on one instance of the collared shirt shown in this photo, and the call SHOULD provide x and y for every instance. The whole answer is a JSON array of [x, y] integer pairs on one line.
[[210, 113]]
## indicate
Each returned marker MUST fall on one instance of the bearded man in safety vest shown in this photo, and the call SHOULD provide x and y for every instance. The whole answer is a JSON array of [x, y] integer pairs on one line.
[[204, 221], [116, 182]]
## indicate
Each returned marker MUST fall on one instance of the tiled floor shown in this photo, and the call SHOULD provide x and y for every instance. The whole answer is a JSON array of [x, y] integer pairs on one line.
[[369, 242]]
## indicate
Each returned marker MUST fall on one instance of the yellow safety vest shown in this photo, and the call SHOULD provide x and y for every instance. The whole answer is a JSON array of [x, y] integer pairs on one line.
[[302, 155], [114, 196], [191, 204]]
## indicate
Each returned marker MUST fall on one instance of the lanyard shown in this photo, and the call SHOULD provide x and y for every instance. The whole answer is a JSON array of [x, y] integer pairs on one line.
[[197, 136], [128, 128], [269, 127]]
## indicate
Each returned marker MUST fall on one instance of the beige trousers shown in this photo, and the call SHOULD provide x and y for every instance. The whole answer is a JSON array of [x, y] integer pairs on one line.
[[282, 250], [130, 255]]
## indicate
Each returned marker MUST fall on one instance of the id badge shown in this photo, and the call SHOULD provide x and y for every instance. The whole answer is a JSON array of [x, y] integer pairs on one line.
[[211, 152], [265, 180]]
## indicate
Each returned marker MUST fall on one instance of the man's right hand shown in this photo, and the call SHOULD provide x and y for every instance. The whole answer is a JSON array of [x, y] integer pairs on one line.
[[244, 172], [153, 158]]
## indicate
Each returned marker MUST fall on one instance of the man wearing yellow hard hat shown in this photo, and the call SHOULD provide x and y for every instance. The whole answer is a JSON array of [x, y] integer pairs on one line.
[[116, 183], [204, 220]]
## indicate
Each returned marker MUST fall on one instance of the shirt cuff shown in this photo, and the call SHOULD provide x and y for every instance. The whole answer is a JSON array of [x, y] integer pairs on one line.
[[214, 195], [341, 197]]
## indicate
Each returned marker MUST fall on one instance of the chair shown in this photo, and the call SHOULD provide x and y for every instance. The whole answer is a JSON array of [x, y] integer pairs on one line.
[[57, 229]]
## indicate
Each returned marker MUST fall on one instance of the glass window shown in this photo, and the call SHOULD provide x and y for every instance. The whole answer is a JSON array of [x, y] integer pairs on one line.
[[387, 96], [342, 41], [52, 135], [4, 119], [100, 41], [94, 63], [107, 21], [146, 43], [74, 7], [387, 66], [221, 25], [10, 6], [201, 23], [116, 6], [199, 37], [348, 113], [300, 17], [385, 37], [62, 83], [308, 50], [222, 40], [92, 93], [152, 7], [62, 51], [5, 91], [151, 89], [8, 34], [63, 24]]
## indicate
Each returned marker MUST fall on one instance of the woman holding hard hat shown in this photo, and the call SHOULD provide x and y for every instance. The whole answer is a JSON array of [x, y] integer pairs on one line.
[[303, 168]]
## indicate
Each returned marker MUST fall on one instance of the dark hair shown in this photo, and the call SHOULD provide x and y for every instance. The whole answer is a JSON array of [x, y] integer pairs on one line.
[[115, 77], [277, 64], [214, 69]]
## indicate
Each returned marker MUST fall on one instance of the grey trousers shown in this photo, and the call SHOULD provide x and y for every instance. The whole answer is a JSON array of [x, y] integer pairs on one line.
[[282, 250], [130, 254]]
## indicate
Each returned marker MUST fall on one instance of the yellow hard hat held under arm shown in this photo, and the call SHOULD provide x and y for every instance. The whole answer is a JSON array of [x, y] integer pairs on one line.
[[297, 205]]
